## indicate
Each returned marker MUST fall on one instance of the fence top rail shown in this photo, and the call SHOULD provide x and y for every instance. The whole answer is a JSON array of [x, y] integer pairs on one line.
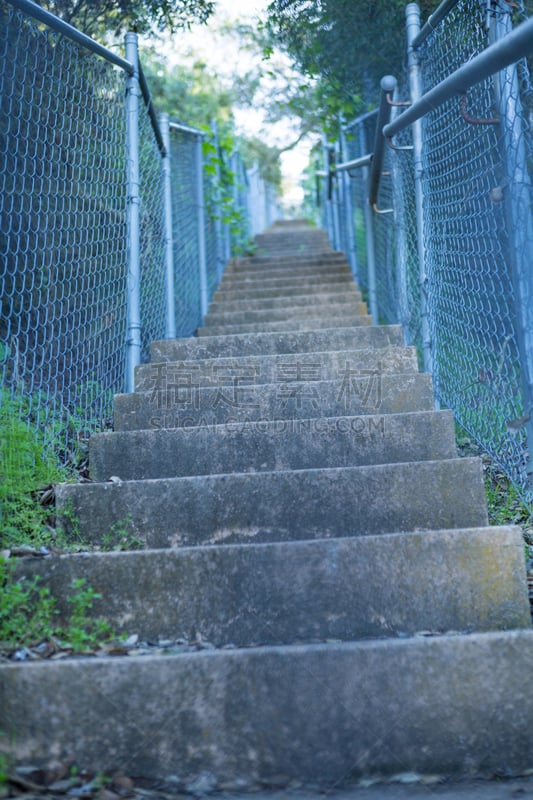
[[433, 21], [59, 25], [177, 126], [514, 46], [348, 125], [357, 163]]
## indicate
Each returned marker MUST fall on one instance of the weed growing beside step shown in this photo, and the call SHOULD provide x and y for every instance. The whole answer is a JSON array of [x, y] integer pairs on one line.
[[29, 469], [28, 617], [505, 506]]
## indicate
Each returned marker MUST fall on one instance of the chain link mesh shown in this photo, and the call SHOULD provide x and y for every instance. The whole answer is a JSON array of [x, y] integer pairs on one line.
[[477, 233], [241, 234], [63, 228], [212, 222], [64, 231], [359, 140], [184, 188], [152, 236], [470, 240]]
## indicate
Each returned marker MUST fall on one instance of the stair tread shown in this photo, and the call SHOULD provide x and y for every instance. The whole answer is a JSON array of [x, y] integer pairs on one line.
[[273, 445], [278, 368], [315, 713], [287, 326], [167, 407], [277, 342], [284, 504], [290, 592]]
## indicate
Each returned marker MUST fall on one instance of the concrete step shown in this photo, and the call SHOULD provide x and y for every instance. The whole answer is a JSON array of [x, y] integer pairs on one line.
[[244, 345], [270, 280], [280, 506], [219, 316], [290, 238], [350, 395], [281, 369], [277, 445], [322, 714], [294, 260], [294, 592], [273, 268], [284, 295], [311, 324], [318, 253], [263, 303]]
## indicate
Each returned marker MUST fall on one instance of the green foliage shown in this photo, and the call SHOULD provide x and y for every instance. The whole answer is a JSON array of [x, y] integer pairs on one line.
[[198, 97], [67, 530], [267, 158], [347, 46], [121, 537], [27, 465], [5, 764], [193, 95], [84, 632], [26, 608], [28, 613], [101, 17], [505, 505], [280, 89]]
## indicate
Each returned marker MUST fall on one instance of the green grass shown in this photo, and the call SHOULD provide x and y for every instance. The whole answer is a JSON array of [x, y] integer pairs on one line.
[[27, 468], [505, 505]]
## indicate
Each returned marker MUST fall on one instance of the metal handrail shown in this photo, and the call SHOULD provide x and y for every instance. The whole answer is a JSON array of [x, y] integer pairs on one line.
[[388, 85], [59, 25], [516, 45], [435, 19], [147, 97], [373, 160], [357, 163]]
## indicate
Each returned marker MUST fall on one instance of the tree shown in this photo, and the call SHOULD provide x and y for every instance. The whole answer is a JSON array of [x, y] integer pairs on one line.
[[192, 95], [100, 17], [348, 45], [282, 92]]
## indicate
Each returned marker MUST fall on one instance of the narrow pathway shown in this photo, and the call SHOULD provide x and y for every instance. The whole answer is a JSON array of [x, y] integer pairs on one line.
[[303, 514]]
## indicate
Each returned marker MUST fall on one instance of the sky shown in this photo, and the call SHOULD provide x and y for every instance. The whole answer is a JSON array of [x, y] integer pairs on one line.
[[224, 56]]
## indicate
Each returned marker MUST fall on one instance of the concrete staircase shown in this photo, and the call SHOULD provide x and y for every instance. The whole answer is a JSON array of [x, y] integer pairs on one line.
[[301, 507]]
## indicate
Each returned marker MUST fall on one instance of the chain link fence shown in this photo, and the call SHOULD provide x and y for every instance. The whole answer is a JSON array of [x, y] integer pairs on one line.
[[62, 228], [186, 231], [465, 255], [65, 234], [470, 240]]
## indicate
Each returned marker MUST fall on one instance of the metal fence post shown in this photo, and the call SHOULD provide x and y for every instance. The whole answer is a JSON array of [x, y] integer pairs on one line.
[[400, 228], [519, 218], [200, 207], [218, 196], [328, 213], [336, 199], [412, 13], [250, 198], [170, 328], [348, 210], [233, 238], [133, 337], [369, 229]]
